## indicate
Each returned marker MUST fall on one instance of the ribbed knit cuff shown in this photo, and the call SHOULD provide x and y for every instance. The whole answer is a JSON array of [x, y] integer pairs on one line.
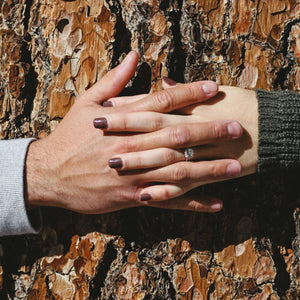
[[14, 219], [279, 130]]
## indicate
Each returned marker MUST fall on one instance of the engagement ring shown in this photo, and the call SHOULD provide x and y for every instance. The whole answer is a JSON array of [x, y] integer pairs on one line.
[[188, 154]]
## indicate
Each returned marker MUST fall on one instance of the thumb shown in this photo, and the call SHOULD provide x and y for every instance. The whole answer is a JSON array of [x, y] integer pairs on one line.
[[114, 81]]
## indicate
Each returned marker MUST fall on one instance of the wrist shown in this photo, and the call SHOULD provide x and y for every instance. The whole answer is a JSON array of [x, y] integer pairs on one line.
[[250, 118], [39, 178]]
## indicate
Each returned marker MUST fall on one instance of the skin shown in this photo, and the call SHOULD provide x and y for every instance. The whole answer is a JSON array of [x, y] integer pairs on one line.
[[69, 168], [229, 103]]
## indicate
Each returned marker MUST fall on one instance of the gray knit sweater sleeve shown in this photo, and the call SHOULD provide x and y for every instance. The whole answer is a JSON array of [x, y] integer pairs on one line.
[[279, 130], [14, 219]]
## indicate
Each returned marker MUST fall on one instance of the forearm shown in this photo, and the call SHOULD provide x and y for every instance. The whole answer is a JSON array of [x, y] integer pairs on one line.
[[41, 186]]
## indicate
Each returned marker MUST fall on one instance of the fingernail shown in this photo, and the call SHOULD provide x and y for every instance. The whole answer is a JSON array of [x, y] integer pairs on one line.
[[216, 206], [234, 169], [209, 87], [115, 163], [128, 55], [145, 197], [107, 103], [100, 123], [234, 129], [169, 81]]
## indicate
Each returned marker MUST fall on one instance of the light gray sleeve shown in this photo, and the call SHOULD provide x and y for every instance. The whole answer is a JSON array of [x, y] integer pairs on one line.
[[14, 219]]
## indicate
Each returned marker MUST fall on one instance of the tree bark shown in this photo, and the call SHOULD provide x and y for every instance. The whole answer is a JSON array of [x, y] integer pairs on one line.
[[53, 50]]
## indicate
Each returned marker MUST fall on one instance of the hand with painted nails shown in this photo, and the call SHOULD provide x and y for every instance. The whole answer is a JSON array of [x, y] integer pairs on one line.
[[69, 168]]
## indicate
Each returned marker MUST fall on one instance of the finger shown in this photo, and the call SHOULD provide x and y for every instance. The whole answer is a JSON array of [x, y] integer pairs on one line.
[[120, 101], [146, 159], [161, 157], [139, 121], [168, 83], [164, 192], [114, 81], [175, 98], [184, 177], [191, 201], [192, 174], [186, 135]]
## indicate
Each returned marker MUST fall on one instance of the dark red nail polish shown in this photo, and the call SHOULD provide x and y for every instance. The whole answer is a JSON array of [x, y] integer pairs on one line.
[[145, 197], [115, 163], [100, 123], [169, 81], [107, 104]]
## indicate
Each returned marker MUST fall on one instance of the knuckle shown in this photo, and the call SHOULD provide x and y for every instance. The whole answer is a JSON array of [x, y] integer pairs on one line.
[[169, 156], [180, 136], [156, 122], [194, 90], [134, 195], [163, 100], [199, 206], [196, 206], [217, 130], [124, 123], [128, 145], [180, 173], [217, 170]]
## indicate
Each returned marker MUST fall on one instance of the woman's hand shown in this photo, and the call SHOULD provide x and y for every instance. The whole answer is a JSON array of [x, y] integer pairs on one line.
[[230, 104]]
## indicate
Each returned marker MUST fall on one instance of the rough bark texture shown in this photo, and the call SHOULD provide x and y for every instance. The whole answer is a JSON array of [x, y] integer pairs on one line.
[[52, 50]]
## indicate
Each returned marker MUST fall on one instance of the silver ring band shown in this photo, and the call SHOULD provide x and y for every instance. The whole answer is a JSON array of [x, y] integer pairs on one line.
[[188, 154]]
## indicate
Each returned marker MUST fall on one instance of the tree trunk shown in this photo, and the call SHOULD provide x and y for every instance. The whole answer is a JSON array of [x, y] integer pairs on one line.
[[53, 50]]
